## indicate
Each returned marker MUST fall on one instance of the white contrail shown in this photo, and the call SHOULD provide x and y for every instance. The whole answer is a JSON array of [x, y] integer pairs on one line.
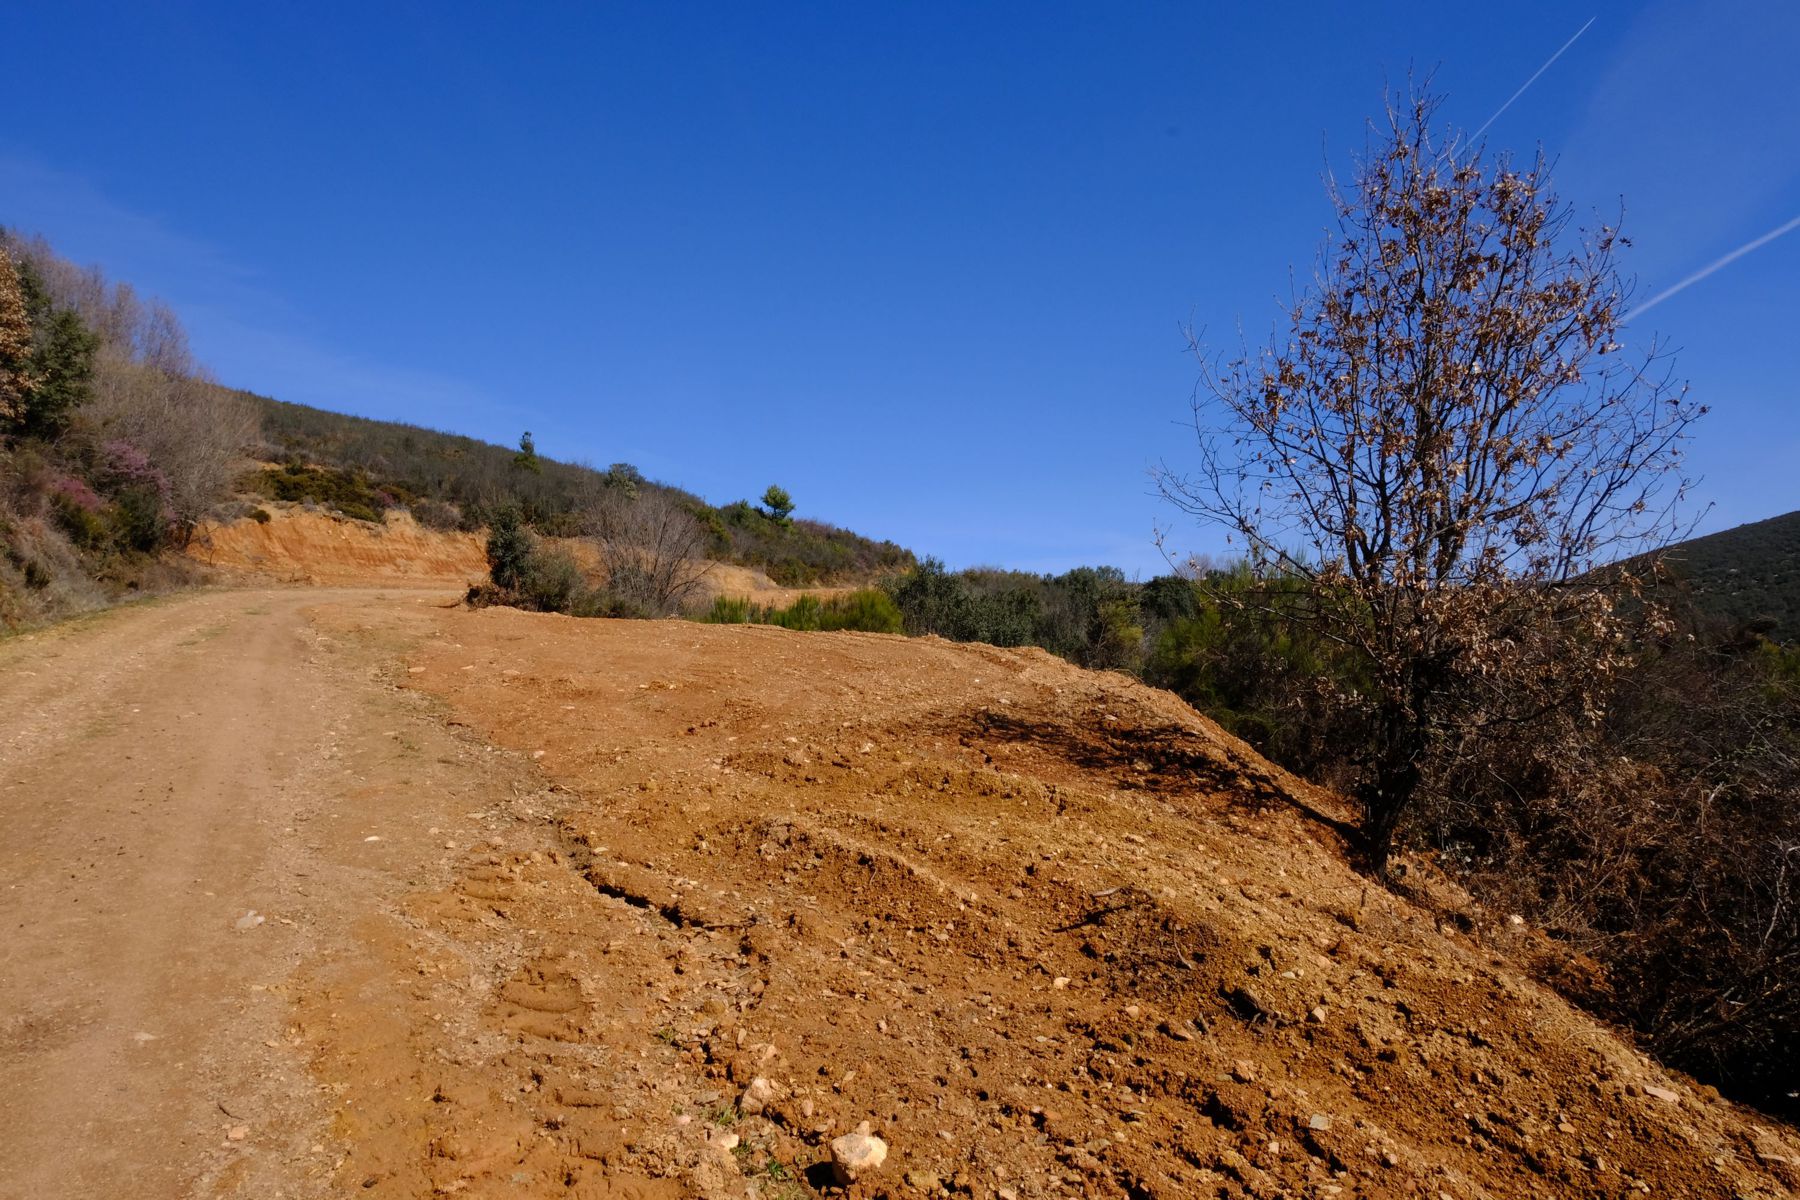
[[1547, 64], [1709, 268]]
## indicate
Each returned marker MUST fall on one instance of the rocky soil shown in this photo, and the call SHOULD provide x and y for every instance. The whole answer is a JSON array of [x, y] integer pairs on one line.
[[1039, 931], [592, 909]]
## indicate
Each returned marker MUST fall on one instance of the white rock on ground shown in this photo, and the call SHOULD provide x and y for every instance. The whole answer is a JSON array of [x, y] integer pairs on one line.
[[856, 1154], [756, 1097]]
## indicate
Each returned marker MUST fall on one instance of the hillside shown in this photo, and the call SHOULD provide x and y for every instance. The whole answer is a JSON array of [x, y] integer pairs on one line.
[[451, 480], [1750, 573]]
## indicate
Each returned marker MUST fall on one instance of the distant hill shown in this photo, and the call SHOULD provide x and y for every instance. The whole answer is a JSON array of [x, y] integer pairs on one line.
[[361, 467], [1747, 574]]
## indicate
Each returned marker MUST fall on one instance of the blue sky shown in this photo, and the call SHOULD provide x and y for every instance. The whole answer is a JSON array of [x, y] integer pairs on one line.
[[925, 265]]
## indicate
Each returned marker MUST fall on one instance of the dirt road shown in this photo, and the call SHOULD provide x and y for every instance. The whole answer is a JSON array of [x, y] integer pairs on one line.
[[314, 893], [188, 790]]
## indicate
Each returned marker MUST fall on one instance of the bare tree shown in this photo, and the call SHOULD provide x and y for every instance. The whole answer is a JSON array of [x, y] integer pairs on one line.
[[1444, 446], [194, 430], [651, 547]]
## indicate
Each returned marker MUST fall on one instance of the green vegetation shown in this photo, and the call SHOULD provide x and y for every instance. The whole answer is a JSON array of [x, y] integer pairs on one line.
[[1088, 615], [112, 443], [525, 573], [777, 504], [377, 465], [796, 552], [868, 610], [1745, 577], [349, 492], [54, 375]]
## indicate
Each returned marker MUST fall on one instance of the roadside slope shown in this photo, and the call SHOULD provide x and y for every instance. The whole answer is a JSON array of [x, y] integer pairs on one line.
[[312, 546], [1046, 931], [297, 545]]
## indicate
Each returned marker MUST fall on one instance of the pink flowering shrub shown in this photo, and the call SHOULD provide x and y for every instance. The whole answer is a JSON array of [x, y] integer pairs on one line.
[[124, 467], [70, 492]]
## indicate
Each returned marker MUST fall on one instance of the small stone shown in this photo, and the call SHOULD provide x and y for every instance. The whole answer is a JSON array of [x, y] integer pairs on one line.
[[1565, 1127], [1132, 1011], [1317, 1015], [1006, 1194], [1515, 920], [238, 1133], [1060, 982], [1389, 1159], [1662, 1093], [1244, 1071], [855, 1155], [756, 1097], [1319, 1121]]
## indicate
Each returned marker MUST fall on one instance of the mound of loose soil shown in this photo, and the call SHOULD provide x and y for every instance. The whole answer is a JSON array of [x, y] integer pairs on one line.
[[1048, 932]]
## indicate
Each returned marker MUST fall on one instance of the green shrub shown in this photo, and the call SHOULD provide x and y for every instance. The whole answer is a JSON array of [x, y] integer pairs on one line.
[[805, 614], [86, 529], [552, 582], [728, 610], [867, 610], [349, 492], [435, 514], [509, 548], [140, 521], [260, 516]]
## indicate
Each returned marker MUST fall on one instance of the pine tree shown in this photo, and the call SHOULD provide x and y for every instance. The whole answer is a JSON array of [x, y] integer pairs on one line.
[[46, 356], [777, 504], [63, 367]]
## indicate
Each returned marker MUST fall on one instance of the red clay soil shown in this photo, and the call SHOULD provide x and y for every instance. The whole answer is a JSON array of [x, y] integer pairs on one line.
[[1048, 932]]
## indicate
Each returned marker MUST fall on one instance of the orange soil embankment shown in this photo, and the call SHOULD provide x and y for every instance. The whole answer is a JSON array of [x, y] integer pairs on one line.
[[1048, 932], [300, 546]]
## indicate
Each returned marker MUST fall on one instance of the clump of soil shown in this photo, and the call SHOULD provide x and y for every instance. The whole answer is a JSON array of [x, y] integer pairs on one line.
[[1044, 932]]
